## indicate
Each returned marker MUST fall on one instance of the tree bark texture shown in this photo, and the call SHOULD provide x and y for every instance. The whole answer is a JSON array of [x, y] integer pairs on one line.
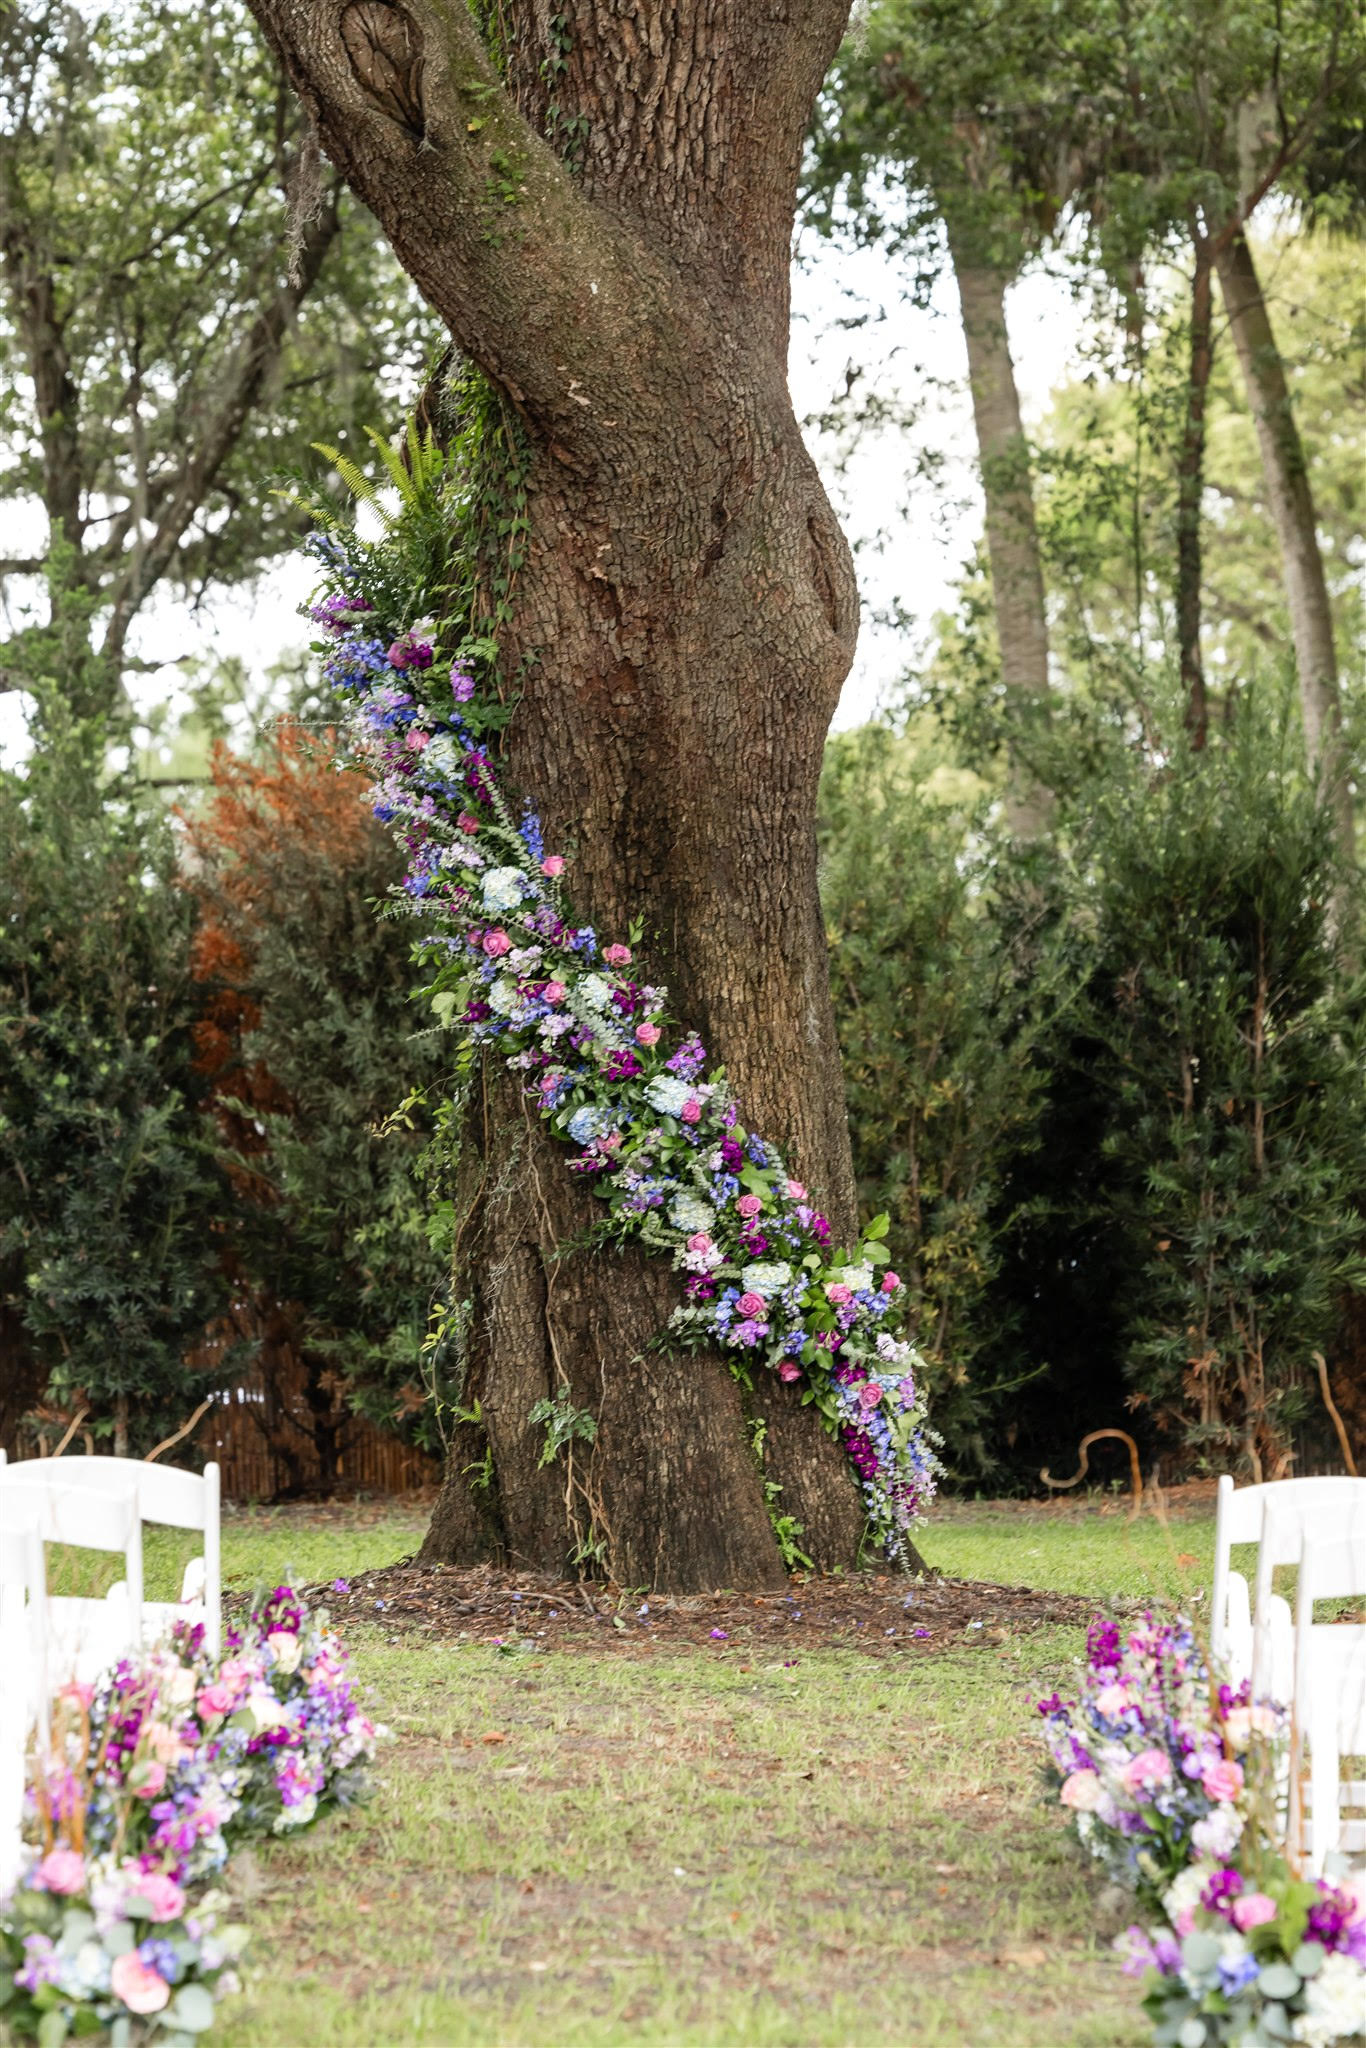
[[1190, 488], [1292, 508], [1017, 587], [606, 234]]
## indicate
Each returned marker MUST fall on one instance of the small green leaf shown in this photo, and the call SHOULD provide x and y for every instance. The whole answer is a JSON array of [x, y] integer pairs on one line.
[[193, 2009], [879, 1226]]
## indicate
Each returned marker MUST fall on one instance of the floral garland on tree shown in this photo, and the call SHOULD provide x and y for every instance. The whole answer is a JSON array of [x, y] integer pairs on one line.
[[655, 1131]]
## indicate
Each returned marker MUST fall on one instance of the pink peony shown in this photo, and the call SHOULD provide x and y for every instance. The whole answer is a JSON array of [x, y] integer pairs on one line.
[[1253, 1909], [617, 956], [1112, 1700], [496, 944], [61, 1870], [749, 1205], [554, 992], [1146, 1771], [838, 1293], [699, 1242], [789, 1370], [163, 1895], [691, 1111], [141, 1989], [647, 1034], [890, 1281], [1222, 1781], [752, 1307], [796, 1191], [1081, 1791], [214, 1700], [553, 865], [466, 823]]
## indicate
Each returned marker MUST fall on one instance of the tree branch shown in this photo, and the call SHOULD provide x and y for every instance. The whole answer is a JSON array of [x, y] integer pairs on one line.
[[535, 282], [246, 374]]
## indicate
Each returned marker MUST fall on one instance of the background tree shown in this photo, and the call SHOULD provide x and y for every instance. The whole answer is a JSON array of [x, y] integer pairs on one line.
[[337, 1244], [602, 216], [110, 1244], [186, 298]]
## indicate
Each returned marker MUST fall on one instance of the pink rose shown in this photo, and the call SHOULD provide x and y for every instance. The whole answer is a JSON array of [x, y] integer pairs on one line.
[[141, 1989], [400, 654], [890, 1281], [838, 1293], [1146, 1771], [617, 956], [466, 823], [151, 1779], [796, 1191], [162, 1893], [1253, 1909], [554, 991], [78, 1694], [869, 1394], [691, 1111], [61, 1870], [752, 1307], [647, 1034], [1222, 1780], [789, 1370], [749, 1205], [553, 865], [1081, 1791], [496, 944], [417, 739], [215, 1699], [699, 1242]]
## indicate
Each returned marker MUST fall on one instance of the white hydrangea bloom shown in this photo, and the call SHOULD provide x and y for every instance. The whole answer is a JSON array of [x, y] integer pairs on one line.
[[442, 754], [857, 1277], [594, 991], [1217, 1834], [1183, 1894], [690, 1213], [503, 889], [767, 1280], [503, 997], [668, 1094], [1334, 2004]]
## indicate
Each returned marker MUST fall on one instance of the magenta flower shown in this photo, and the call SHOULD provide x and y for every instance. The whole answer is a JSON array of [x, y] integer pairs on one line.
[[890, 1281], [553, 865], [496, 944], [789, 1370]]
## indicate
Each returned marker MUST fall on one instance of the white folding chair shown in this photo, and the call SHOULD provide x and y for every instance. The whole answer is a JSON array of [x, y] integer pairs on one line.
[[181, 1500], [1239, 1520], [84, 1636], [1330, 1693], [24, 1693]]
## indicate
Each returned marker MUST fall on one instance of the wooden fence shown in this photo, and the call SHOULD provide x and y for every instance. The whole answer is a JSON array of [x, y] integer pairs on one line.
[[264, 1440]]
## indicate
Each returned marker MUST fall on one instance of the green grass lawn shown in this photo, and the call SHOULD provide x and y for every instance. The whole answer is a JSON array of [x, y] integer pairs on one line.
[[588, 1850]]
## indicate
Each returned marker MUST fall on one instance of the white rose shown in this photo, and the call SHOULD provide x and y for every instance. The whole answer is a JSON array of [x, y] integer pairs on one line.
[[180, 1686], [286, 1648]]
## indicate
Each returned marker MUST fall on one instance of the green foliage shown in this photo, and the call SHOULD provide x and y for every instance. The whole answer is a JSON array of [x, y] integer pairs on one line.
[[109, 1204], [1233, 1061], [949, 985], [564, 1424]]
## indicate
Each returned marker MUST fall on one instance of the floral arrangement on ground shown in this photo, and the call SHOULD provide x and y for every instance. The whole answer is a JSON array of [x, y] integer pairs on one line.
[[141, 1788], [1172, 1786], [652, 1122]]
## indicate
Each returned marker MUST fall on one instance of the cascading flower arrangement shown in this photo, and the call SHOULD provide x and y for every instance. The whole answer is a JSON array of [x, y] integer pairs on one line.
[[148, 1782], [1172, 1787], [653, 1126]]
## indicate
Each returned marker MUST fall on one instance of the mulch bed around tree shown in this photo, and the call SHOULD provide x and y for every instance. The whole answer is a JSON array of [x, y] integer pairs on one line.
[[872, 1613]]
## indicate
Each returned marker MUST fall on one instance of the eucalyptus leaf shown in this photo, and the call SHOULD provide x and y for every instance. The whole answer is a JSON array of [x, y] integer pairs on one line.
[[192, 2009], [1278, 1980]]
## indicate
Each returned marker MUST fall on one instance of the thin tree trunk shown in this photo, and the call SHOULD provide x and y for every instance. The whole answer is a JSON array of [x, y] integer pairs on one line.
[[680, 632], [1017, 586], [1292, 508], [1190, 476]]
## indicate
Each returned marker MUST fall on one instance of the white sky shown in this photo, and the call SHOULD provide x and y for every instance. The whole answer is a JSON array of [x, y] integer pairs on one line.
[[911, 532]]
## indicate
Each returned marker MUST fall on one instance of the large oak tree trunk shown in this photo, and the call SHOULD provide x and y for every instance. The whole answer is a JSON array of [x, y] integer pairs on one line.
[[1292, 508], [683, 624], [1017, 587]]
